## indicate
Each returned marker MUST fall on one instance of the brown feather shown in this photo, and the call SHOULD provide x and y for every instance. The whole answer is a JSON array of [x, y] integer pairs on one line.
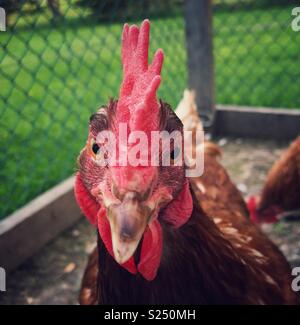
[[282, 186], [89, 289], [200, 265], [217, 257]]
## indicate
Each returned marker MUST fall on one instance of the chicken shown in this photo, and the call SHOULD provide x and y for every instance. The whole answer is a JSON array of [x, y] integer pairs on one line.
[[156, 244], [187, 111], [280, 196], [215, 184]]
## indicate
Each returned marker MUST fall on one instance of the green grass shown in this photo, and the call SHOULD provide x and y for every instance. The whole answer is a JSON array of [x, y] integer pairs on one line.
[[257, 55], [54, 77]]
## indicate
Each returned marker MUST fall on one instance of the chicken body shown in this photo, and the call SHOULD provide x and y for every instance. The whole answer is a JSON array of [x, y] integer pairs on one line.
[[280, 195], [199, 266]]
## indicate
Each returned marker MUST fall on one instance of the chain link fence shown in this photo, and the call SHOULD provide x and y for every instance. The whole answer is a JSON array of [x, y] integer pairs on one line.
[[60, 60], [256, 53]]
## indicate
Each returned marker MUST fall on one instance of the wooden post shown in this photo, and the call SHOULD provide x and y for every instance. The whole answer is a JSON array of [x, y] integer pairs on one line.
[[198, 22]]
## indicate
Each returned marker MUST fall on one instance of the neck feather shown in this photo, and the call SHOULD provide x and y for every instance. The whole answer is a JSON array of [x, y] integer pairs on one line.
[[193, 269]]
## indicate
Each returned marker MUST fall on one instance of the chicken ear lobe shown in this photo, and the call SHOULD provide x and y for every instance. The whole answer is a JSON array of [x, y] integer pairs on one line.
[[180, 209]]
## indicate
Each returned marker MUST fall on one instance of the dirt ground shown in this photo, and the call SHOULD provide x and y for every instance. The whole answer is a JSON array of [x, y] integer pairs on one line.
[[53, 276]]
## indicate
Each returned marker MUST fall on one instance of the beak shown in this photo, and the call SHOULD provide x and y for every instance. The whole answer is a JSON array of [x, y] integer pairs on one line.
[[128, 221]]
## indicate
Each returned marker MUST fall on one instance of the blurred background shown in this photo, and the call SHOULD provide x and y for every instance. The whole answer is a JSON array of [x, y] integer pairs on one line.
[[60, 60]]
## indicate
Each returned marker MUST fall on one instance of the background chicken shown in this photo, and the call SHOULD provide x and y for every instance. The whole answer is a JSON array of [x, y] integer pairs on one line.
[[195, 245], [215, 184], [280, 196]]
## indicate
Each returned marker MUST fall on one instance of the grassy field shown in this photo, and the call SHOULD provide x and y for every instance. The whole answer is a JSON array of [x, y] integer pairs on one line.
[[54, 76]]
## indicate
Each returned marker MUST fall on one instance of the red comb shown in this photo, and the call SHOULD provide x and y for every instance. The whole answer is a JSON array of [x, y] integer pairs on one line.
[[138, 105]]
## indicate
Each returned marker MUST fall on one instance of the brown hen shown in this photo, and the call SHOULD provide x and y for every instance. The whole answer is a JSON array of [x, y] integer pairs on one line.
[[280, 196], [197, 245]]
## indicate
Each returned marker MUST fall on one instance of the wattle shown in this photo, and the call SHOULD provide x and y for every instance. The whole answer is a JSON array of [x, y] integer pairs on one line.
[[151, 247], [176, 213]]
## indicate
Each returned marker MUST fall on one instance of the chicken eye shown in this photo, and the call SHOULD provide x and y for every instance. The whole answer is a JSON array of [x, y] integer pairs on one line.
[[95, 148]]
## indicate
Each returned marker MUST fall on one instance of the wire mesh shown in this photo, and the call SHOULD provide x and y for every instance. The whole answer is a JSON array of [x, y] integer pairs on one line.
[[256, 53], [60, 60]]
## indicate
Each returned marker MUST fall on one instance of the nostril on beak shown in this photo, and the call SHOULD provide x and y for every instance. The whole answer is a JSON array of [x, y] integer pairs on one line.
[[126, 232]]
